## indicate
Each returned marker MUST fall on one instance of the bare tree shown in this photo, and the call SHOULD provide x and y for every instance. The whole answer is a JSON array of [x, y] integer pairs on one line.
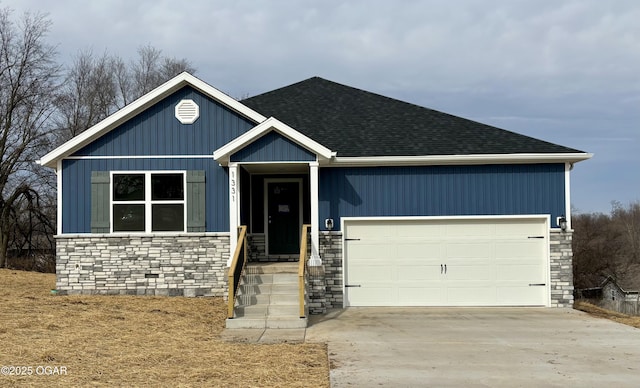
[[28, 76], [606, 245], [152, 69], [88, 94], [627, 221]]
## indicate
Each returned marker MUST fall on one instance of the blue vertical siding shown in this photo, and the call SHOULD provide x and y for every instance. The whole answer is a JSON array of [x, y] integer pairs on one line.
[[441, 191], [156, 131], [76, 194], [273, 147]]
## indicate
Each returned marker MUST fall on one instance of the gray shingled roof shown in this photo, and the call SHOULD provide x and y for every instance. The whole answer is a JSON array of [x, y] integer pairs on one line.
[[355, 122]]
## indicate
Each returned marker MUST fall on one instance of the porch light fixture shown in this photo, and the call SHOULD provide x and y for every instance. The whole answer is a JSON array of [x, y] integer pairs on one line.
[[562, 223], [328, 224]]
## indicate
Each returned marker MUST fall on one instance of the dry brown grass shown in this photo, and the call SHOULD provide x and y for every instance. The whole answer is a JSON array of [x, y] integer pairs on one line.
[[608, 314], [138, 341]]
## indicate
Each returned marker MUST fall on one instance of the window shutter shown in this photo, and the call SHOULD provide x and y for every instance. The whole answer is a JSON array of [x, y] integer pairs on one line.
[[196, 201], [100, 201]]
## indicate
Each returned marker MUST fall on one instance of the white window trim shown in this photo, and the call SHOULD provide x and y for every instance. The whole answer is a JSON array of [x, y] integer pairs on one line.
[[147, 202]]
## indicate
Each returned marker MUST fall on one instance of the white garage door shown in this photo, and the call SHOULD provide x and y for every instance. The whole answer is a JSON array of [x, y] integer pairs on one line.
[[446, 262]]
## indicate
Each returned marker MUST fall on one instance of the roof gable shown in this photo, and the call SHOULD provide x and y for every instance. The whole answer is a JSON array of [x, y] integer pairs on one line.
[[223, 154], [157, 132], [357, 123], [273, 147], [141, 104]]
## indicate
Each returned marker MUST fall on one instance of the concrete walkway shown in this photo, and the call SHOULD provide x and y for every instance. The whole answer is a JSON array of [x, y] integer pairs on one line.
[[470, 347], [264, 336]]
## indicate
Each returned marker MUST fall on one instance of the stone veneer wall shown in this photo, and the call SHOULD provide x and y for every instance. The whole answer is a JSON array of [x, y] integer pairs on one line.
[[561, 267], [331, 254], [178, 265], [325, 282]]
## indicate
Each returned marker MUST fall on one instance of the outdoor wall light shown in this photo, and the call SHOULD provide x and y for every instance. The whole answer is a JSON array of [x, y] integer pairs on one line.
[[562, 223], [328, 223]]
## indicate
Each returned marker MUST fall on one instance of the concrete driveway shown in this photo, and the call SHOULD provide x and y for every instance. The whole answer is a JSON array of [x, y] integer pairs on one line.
[[476, 347]]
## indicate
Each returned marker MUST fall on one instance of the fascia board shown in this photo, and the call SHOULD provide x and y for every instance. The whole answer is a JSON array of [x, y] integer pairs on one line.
[[139, 105], [460, 159], [223, 153]]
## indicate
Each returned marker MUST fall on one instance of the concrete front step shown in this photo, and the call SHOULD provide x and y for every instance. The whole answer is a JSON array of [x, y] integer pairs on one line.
[[268, 298], [266, 323], [271, 268], [271, 310], [265, 299], [257, 289], [270, 278]]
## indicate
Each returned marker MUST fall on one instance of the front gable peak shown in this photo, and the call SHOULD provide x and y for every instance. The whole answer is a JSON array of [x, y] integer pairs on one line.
[[223, 154]]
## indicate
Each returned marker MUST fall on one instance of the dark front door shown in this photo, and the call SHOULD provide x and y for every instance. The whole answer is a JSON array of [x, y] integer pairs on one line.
[[283, 217]]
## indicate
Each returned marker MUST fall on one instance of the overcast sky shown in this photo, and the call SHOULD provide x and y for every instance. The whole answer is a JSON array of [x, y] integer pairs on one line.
[[562, 71]]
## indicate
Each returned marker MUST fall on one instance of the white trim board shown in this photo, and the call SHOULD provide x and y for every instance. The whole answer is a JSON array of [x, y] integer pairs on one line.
[[458, 159]]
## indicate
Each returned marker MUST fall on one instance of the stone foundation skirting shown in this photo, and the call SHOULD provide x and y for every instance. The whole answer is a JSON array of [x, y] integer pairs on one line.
[[195, 265], [176, 265]]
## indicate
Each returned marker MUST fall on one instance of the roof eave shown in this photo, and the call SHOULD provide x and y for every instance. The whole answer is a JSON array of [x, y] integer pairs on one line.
[[137, 106], [460, 159]]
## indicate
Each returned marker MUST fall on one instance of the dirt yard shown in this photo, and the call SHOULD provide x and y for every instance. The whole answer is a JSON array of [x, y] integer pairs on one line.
[[135, 341], [608, 314]]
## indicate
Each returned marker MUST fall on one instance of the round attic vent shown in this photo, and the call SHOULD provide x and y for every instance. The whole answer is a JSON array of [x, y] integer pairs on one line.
[[187, 111]]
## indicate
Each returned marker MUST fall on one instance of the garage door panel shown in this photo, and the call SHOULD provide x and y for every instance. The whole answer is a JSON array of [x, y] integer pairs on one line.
[[459, 295], [470, 273], [532, 273], [420, 295], [489, 262], [522, 227], [521, 295], [370, 252], [373, 274], [415, 250], [465, 249], [521, 248], [410, 273], [470, 229], [419, 230]]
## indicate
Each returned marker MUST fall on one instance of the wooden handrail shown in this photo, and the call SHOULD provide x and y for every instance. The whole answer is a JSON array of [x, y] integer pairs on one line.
[[241, 248], [301, 266]]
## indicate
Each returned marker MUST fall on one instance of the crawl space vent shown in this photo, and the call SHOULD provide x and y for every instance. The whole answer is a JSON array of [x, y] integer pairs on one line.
[[187, 111]]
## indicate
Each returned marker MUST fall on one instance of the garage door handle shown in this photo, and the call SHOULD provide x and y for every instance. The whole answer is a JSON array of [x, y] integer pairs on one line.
[[351, 239], [535, 237], [537, 284], [443, 269], [352, 285]]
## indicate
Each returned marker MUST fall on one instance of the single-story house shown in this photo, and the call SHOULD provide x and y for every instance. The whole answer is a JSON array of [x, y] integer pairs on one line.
[[408, 206]]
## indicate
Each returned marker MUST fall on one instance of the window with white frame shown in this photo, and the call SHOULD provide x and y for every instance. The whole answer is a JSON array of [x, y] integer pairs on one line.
[[148, 201]]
